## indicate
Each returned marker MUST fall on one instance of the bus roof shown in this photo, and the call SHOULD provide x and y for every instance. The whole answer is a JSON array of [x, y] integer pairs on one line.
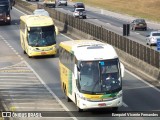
[[37, 20], [89, 49]]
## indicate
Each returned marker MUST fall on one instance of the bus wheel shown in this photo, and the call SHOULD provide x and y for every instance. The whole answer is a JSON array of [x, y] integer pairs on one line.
[[78, 109], [66, 97], [29, 56], [24, 51]]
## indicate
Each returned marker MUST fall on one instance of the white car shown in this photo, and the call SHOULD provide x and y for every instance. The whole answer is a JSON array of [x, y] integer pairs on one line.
[[79, 12], [61, 2], [153, 37], [41, 12]]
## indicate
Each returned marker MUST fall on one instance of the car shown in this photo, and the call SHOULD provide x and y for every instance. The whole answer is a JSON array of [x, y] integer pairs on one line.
[[32, 0], [152, 38], [61, 2], [79, 5], [40, 12], [80, 13], [138, 24]]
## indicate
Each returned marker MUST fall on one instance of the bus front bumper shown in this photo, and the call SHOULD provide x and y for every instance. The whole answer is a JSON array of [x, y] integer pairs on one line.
[[84, 104], [42, 53]]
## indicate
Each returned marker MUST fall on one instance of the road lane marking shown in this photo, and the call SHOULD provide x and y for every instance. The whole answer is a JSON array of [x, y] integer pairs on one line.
[[9, 46], [108, 24], [125, 105], [53, 94], [29, 92], [20, 11], [137, 33], [12, 73], [19, 83], [66, 36], [26, 99], [26, 103], [40, 108], [150, 85], [17, 77]]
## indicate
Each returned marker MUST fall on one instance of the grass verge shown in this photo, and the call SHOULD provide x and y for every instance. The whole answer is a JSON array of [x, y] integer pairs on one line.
[[148, 9]]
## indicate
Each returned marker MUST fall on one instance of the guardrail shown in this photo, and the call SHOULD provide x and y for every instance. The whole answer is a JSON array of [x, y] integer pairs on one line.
[[137, 50], [133, 48]]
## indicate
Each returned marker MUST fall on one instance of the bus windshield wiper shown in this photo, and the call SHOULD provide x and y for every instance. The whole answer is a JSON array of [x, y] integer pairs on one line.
[[37, 43]]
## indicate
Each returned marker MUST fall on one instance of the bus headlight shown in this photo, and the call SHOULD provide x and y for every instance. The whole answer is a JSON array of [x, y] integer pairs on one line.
[[30, 48], [82, 97], [8, 18], [119, 95], [33, 49]]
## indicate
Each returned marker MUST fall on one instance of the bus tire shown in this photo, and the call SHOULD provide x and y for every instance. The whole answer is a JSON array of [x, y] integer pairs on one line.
[[66, 97], [29, 56], [8, 22], [78, 109], [24, 51]]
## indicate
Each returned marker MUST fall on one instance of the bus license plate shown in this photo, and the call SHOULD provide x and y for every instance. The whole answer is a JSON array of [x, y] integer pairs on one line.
[[102, 104], [43, 53]]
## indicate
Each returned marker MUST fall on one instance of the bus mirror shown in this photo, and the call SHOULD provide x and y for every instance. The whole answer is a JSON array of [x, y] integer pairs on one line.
[[79, 65], [56, 29], [122, 69], [28, 28], [75, 72], [14, 2]]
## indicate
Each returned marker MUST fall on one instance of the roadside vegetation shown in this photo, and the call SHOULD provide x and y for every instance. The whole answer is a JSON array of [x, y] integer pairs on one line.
[[148, 9], [31, 6]]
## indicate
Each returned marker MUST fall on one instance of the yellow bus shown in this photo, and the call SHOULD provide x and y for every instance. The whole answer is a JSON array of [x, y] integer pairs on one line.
[[38, 35], [91, 74], [49, 3]]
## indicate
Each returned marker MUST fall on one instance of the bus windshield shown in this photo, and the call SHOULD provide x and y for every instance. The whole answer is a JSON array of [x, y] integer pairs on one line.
[[41, 36], [4, 8], [99, 77]]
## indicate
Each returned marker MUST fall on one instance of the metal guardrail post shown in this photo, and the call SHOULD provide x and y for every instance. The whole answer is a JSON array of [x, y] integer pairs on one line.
[[145, 53], [134, 50]]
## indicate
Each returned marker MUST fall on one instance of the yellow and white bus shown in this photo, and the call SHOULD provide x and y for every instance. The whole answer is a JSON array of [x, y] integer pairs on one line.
[[91, 74], [38, 35], [49, 3]]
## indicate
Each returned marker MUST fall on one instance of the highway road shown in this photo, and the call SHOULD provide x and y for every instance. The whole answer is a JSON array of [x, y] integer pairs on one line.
[[113, 23], [138, 95]]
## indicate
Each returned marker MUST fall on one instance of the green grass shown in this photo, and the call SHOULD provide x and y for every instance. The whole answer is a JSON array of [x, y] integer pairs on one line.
[[148, 9]]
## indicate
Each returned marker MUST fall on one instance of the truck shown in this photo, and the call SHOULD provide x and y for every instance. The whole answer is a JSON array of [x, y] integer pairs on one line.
[[5, 7], [49, 3]]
